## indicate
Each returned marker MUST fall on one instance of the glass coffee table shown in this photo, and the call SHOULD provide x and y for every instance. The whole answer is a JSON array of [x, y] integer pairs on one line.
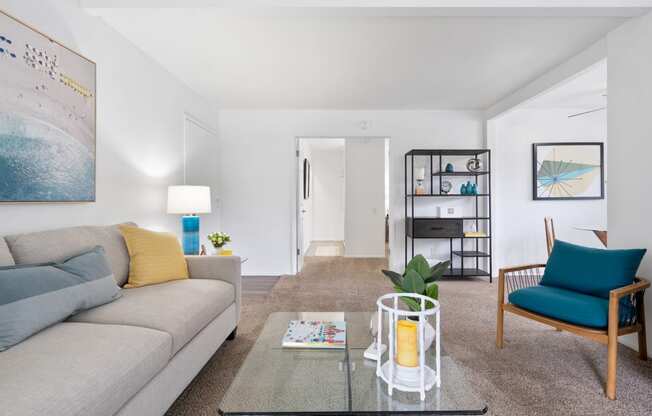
[[280, 381]]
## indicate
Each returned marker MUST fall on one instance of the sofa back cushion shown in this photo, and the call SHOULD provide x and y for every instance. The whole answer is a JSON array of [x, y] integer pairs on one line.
[[58, 245], [6, 259], [35, 297], [590, 271]]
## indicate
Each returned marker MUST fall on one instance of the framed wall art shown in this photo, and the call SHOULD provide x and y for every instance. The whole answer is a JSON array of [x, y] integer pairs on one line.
[[568, 171], [47, 118]]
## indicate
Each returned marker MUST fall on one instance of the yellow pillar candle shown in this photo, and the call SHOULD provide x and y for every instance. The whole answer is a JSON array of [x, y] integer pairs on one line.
[[406, 343]]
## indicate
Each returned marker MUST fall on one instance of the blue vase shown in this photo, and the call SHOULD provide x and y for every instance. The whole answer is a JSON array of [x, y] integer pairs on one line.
[[474, 189], [463, 189], [190, 234], [450, 168]]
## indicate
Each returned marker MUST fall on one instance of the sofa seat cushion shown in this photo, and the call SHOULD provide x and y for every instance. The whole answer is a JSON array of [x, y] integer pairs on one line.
[[181, 308], [80, 369], [564, 305]]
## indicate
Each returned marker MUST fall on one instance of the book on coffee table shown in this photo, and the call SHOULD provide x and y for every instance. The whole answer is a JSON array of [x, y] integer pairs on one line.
[[315, 334]]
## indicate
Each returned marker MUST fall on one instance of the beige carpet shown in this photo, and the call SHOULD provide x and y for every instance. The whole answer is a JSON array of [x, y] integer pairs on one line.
[[539, 372]]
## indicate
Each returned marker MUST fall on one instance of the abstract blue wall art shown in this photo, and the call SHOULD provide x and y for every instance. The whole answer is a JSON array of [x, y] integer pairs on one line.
[[568, 171], [47, 118]]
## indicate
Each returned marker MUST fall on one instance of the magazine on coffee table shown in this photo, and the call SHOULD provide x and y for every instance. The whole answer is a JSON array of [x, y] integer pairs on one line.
[[315, 334]]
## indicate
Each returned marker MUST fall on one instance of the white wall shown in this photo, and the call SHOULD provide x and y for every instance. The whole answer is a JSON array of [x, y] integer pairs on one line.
[[518, 219], [630, 145], [140, 113], [364, 219], [328, 190], [201, 168], [259, 182]]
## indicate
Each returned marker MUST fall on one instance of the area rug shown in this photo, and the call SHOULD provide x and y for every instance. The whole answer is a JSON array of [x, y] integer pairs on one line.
[[539, 372]]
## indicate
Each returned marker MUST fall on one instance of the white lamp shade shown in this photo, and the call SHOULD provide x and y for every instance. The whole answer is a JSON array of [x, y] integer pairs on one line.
[[187, 199]]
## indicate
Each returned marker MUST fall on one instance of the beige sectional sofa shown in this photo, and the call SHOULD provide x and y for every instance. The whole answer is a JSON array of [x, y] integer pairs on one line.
[[133, 356]]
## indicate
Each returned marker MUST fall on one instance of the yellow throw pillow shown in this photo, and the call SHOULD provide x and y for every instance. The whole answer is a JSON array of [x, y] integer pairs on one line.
[[154, 257]]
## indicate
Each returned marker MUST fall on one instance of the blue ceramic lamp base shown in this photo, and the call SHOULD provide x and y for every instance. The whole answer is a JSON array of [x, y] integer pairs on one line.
[[190, 225]]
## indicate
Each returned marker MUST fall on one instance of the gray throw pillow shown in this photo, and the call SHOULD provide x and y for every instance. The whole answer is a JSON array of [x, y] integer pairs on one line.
[[33, 297]]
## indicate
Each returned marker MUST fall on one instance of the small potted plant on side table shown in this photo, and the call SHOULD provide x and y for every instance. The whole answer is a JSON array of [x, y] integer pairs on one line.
[[219, 240]]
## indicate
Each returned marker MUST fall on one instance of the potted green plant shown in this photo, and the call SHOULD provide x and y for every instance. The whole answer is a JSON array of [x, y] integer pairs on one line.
[[219, 239], [419, 278]]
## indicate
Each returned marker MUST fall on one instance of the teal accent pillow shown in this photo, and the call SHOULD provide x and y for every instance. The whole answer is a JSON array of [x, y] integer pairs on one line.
[[37, 296], [590, 271]]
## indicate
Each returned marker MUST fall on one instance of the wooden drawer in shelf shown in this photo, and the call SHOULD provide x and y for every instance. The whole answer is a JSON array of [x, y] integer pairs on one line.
[[435, 227]]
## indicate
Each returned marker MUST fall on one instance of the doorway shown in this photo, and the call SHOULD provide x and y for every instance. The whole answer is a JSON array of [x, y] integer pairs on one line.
[[342, 198]]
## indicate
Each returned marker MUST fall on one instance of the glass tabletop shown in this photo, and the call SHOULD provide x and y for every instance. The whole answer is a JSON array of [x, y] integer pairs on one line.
[[281, 381]]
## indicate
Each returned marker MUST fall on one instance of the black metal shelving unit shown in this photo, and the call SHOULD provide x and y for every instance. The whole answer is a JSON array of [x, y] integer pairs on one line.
[[481, 254]]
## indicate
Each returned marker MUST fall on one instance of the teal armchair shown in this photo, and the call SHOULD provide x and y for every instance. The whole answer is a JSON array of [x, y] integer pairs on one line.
[[589, 292]]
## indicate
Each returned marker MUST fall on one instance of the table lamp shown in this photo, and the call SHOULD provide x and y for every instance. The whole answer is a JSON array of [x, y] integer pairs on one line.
[[189, 201]]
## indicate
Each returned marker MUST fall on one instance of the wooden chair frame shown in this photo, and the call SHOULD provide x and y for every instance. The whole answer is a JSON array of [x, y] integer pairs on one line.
[[608, 337], [550, 233]]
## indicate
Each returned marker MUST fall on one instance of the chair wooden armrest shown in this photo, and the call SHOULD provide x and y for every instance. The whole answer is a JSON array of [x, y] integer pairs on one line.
[[614, 328], [640, 285], [523, 277]]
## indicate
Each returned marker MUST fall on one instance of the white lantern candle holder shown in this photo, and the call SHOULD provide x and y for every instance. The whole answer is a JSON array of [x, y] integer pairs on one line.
[[409, 379]]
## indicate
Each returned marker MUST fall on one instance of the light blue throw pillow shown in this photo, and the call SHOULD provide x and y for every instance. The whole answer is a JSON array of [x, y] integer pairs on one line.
[[33, 297]]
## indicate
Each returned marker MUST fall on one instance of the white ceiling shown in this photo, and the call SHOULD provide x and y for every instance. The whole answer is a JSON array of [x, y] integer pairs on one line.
[[585, 91], [245, 60]]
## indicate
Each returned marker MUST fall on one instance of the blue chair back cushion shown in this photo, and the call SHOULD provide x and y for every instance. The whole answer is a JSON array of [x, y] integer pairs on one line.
[[568, 306], [590, 271]]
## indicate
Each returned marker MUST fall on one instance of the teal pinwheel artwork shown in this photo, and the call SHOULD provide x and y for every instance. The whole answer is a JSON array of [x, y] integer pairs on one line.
[[568, 171]]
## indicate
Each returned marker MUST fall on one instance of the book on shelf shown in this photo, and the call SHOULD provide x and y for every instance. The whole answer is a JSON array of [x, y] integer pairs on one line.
[[315, 334], [475, 234]]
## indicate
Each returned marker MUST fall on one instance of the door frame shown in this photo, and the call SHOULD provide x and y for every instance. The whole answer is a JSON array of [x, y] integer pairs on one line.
[[295, 253]]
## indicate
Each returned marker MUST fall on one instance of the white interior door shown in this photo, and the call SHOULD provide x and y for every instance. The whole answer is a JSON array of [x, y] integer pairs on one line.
[[300, 204], [364, 221]]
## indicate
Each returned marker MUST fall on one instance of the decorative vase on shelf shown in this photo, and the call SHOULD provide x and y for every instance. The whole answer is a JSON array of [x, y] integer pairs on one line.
[[463, 189], [449, 168], [474, 164], [474, 189]]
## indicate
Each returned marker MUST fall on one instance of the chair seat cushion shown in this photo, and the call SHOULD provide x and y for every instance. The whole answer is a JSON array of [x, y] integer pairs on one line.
[[182, 308], [564, 305], [77, 369], [590, 271]]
